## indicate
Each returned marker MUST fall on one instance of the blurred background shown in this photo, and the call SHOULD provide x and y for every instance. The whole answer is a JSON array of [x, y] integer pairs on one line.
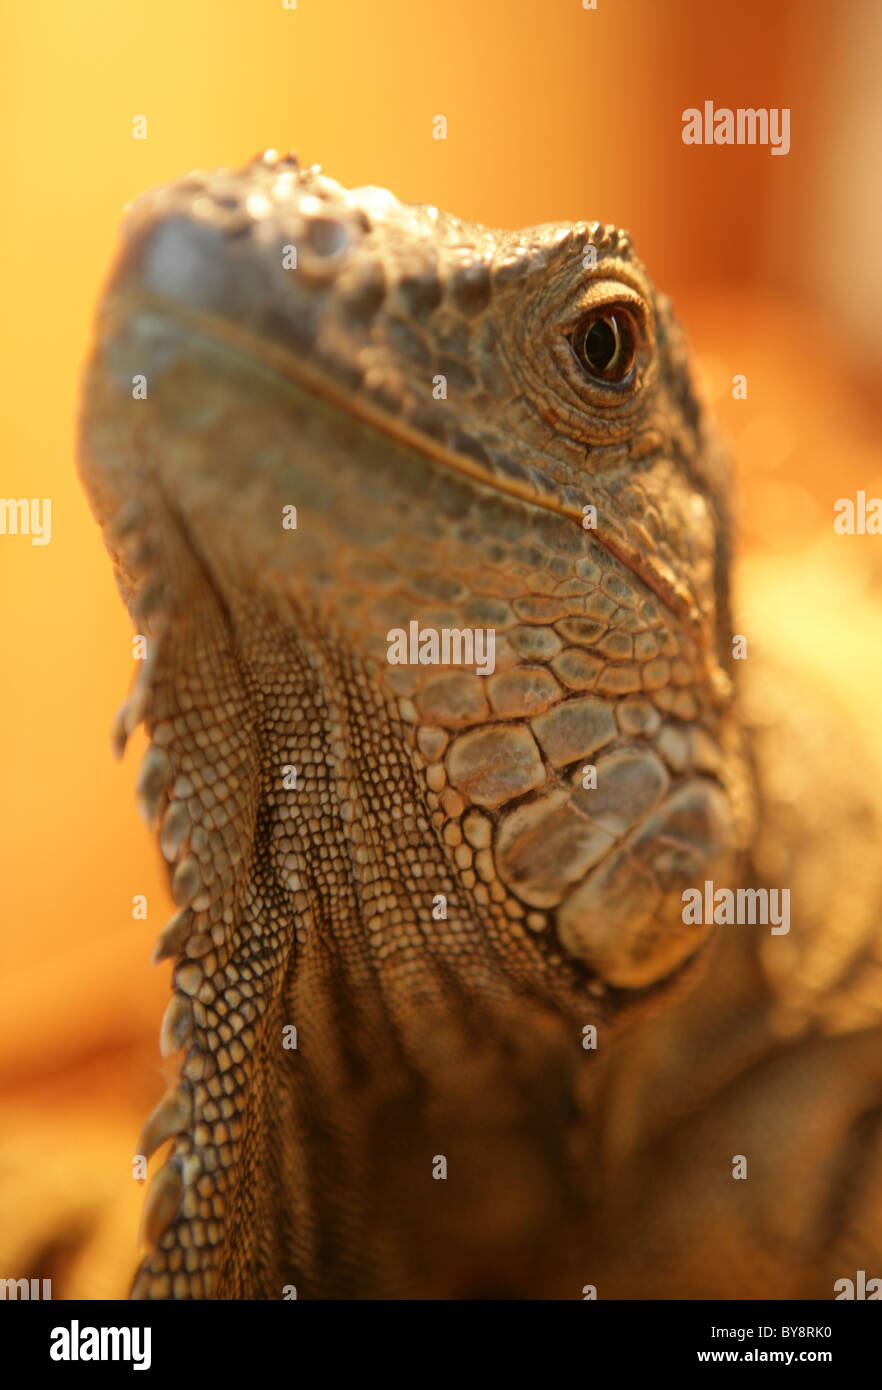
[[554, 112]]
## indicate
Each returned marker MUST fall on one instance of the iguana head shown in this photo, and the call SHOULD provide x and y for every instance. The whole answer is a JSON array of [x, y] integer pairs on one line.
[[314, 418]]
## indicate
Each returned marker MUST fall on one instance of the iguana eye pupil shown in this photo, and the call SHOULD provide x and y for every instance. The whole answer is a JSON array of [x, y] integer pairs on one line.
[[606, 345], [601, 344]]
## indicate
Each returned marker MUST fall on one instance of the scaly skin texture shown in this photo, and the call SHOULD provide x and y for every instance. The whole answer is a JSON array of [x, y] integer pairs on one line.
[[310, 898]]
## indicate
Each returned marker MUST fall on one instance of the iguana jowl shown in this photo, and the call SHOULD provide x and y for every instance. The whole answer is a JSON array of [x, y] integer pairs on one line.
[[440, 403]]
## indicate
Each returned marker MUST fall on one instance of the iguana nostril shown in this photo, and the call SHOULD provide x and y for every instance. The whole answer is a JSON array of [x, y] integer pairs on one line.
[[327, 236]]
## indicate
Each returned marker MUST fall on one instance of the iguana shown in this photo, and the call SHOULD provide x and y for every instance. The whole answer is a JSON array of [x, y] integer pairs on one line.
[[443, 1030]]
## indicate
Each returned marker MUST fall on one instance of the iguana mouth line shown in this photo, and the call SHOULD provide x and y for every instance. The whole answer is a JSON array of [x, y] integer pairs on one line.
[[285, 366]]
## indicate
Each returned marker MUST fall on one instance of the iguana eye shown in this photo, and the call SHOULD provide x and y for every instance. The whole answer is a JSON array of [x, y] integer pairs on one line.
[[605, 344]]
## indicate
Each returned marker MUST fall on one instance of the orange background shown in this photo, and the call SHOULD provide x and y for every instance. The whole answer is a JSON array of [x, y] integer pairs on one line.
[[553, 112]]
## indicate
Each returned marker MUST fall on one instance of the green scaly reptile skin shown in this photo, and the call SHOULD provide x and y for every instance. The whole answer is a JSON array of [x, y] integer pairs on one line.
[[311, 898]]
